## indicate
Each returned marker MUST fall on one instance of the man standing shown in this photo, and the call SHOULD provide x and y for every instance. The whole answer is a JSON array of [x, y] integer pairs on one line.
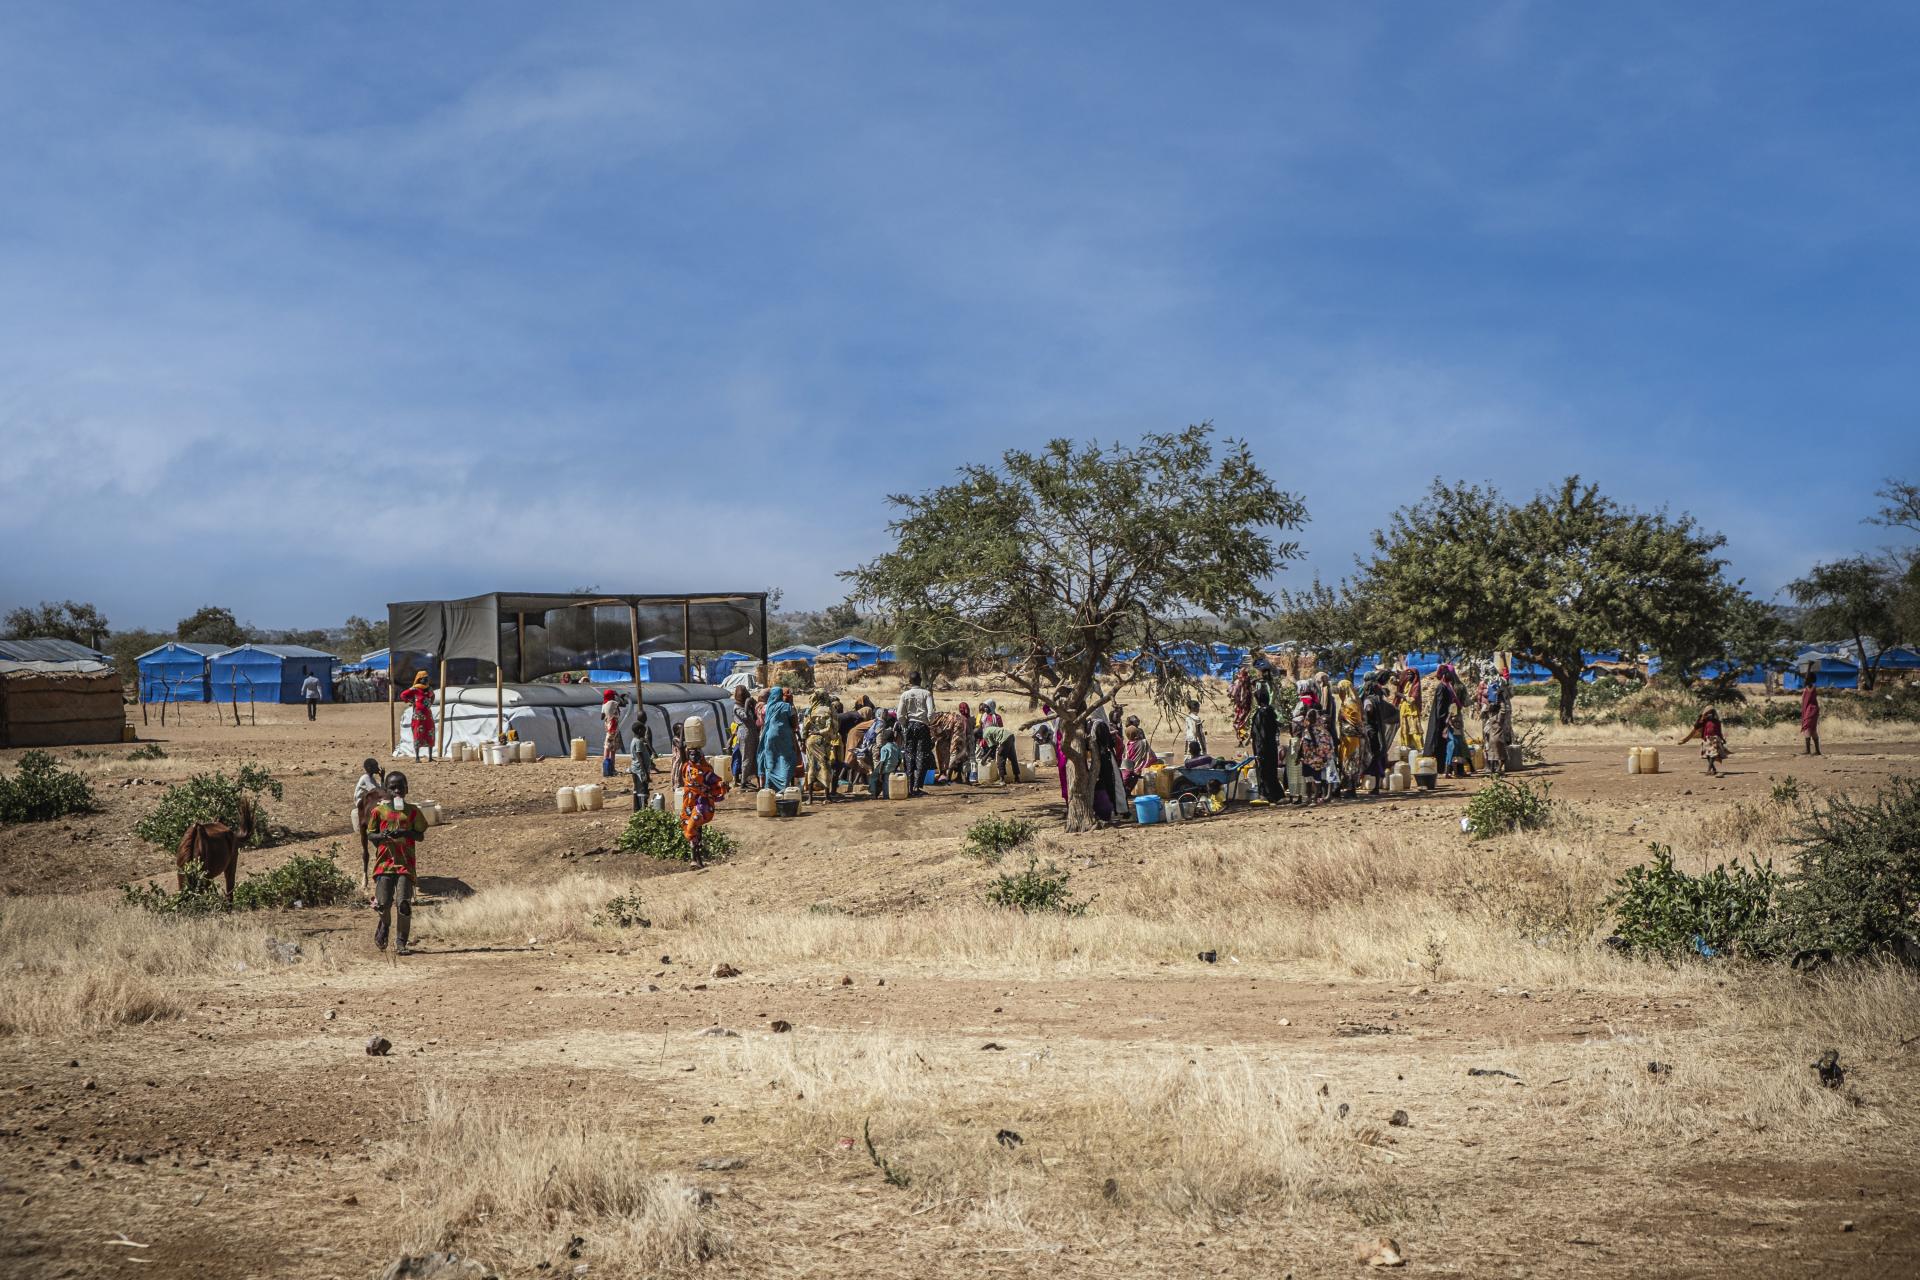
[[395, 827], [916, 725], [310, 690]]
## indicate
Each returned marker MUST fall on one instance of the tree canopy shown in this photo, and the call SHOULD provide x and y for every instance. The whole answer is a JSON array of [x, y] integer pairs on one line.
[[1059, 558], [1568, 571], [1858, 598], [211, 624], [58, 620]]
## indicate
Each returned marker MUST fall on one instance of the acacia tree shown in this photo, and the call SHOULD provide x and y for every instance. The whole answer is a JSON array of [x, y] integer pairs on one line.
[[1858, 598], [1566, 572], [62, 620], [1059, 558], [211, 624], [1341, 625]]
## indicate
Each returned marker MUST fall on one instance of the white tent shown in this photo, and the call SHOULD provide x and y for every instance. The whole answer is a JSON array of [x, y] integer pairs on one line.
[[552, 715]]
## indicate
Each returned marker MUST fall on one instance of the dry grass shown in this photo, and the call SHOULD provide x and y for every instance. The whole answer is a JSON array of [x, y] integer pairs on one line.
[[1349, 903], [557, 912], [1747, 1070], [69, 966], [514, 1185], [1064, 1139]]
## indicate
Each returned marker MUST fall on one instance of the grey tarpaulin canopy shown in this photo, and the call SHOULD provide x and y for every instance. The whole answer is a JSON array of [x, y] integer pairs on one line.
[[522, 636]]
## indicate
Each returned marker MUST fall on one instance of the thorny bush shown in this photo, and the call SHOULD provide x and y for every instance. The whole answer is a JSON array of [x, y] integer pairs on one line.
[[41, 791], [655, 833], [991, 839], [1663, 911], [1502, 806], [1035, 889], [209, 797]]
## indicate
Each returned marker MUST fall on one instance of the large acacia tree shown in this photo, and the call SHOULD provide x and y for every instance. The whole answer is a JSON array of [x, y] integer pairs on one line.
[[1058, 559], [1568, 571]]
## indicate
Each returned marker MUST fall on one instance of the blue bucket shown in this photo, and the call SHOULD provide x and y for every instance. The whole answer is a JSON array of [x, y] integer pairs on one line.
[[931, 778], [1148, 810]]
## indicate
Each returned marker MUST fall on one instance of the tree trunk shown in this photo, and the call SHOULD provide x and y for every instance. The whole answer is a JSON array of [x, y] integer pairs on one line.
[[1076, 744], [1569, 680], [1866, 673]]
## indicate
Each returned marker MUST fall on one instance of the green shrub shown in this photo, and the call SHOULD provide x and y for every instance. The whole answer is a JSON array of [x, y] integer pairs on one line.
[[1855, 884], [1663, 911], [654, 833], [41, 791], [1786, 792], [1502, 806], [1604, 692], [151, 751], [306, 879], [208, 797], [1036, 889], [199, 896], [1900, 703], [990, 839], [625, 911]]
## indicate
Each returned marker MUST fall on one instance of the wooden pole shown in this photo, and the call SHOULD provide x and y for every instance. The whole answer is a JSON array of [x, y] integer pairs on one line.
[[440, 737], [686, 641], [639, 698], [499, 705], [393, 706]]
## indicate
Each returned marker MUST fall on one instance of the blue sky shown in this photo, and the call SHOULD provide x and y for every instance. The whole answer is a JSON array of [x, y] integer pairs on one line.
[[306, 308]]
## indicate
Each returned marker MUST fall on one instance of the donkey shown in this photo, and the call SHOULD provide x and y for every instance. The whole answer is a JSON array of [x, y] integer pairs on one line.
[[216, 847]]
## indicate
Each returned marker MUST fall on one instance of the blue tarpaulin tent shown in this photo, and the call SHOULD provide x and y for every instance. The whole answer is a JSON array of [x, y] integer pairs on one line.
[[720, 668], [375, 661], [268, 673], [794, 653], [662, 667], [860, 653], [1827, 669], [175, 672]]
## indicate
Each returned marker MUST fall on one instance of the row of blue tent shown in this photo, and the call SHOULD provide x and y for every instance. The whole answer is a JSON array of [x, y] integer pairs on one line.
[[859, 653], [181, 672], [1824, 666]]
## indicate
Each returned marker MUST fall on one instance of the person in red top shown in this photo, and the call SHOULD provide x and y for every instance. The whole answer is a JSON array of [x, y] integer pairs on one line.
[[1810, 718], [700, 789], [1713, 739], [419, 700], [395, 827]]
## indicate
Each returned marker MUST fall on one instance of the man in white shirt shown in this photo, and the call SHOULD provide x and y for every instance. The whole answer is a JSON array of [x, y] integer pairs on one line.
[[916, 727], [310, 690]]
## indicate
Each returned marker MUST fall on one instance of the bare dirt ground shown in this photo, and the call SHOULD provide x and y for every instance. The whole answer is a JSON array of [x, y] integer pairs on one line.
[[1084, 1096]]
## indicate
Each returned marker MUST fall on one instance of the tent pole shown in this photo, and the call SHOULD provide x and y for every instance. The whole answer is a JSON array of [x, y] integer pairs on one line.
[[393, 706], [764, 675], [686, 638], [499, 705], [520, 647], [440, 738], [639, 699]]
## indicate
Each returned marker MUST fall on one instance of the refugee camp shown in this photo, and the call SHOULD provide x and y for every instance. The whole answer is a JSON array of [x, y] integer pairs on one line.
[[776, 641]]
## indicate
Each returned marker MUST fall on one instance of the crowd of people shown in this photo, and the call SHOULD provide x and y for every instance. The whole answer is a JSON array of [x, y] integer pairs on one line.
[[833, 750]]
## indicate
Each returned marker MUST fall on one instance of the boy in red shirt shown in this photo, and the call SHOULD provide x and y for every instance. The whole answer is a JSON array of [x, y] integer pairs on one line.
[[395, 827]]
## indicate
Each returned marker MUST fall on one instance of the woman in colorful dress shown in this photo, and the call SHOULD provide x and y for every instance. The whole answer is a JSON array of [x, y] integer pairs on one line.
[[419, 700], [821, 733], [700, 789], [1136, 756], [610, 725], [1316, 756], [1713, 739], [1240, 695], [1810, 719]]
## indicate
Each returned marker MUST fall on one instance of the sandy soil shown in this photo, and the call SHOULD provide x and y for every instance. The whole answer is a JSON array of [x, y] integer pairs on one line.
[[254, 1136]]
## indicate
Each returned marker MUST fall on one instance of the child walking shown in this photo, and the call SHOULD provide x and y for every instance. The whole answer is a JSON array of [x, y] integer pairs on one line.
[[396, 828]]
